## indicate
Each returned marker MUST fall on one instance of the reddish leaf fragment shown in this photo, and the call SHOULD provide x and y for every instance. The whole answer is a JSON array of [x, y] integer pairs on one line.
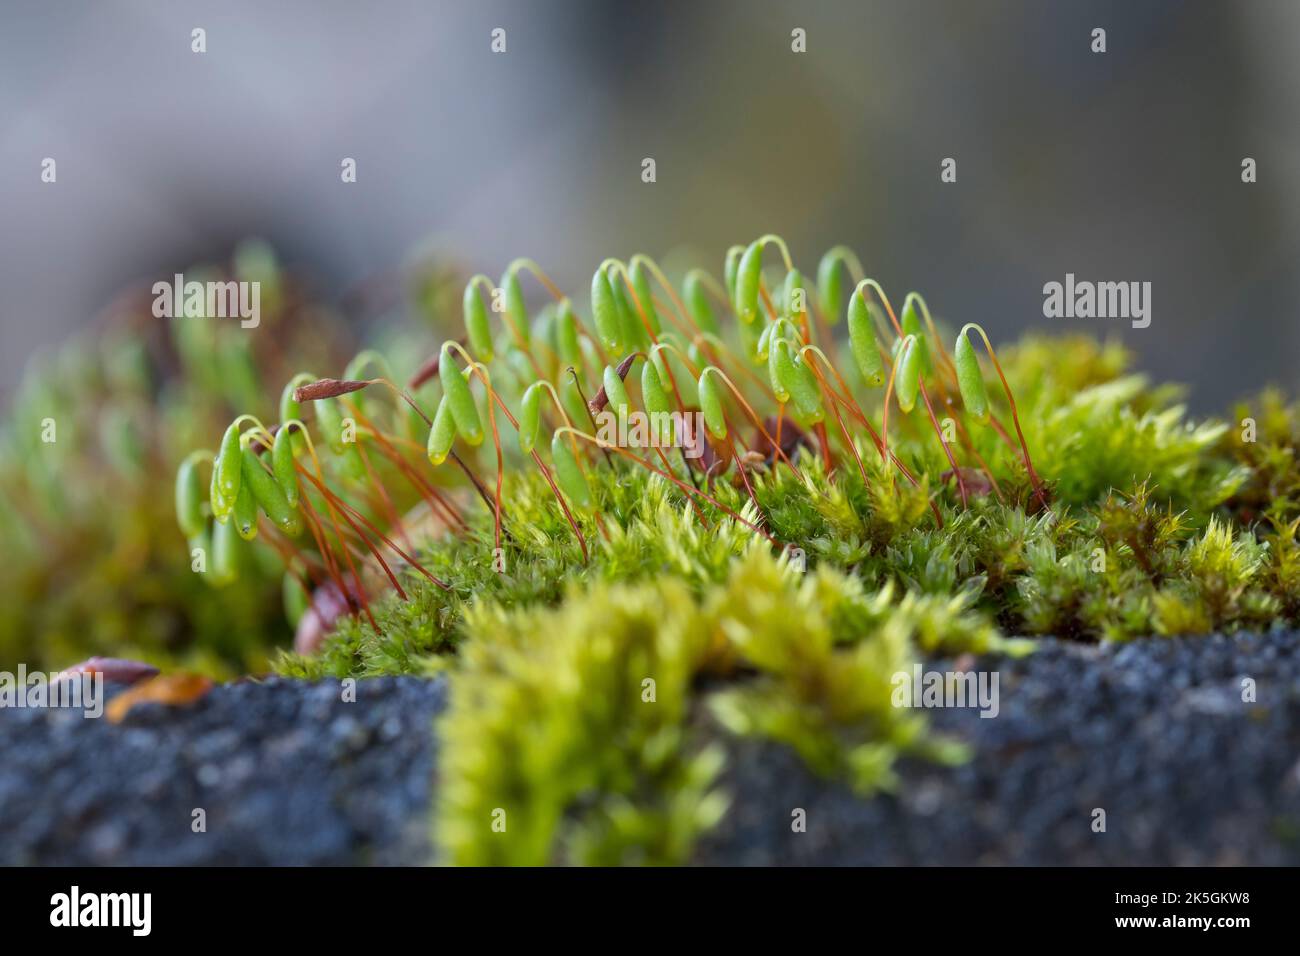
[[791, 438], [326, 388], [977, 483], [117, 669], [328, 604]]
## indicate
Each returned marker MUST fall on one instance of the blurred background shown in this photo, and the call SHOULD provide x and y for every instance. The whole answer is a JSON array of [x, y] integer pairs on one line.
[[1123, 166]]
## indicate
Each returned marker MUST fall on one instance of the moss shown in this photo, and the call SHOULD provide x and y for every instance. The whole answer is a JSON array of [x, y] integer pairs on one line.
[[574, 733], [767, 594]]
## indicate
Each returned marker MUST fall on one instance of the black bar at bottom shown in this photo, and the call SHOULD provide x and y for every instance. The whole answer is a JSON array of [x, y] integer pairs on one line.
[[337, 905]]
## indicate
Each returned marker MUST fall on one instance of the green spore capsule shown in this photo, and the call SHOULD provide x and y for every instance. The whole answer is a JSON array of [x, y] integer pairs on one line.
[[477, 326], [711, 404], [442, 434], [912, 326], [748, 276], [698, 304], [970, 380], [653, 392], [224, 567], [244, 515], [830, 285], [460, 399], [220, 504], [530, 417], [763, 349], [286, 475], [329, 418], [289, 407], [615, 392], [731, 270], [566, 335], [780, 369], [794, 290], [801, 382], [604, 311], [863, 342], [908, 377], [228, 463], [189, 499], [269, 496], [657, 403], [516, 307], [641, 285], [567, 473], [633, 329]]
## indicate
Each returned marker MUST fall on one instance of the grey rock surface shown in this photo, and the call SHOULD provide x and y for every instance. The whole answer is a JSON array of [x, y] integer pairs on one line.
[[1155, 733], [287, 773]]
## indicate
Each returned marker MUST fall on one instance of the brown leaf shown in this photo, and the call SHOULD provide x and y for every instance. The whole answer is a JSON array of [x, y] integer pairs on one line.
[[326, 388], [174, 690]]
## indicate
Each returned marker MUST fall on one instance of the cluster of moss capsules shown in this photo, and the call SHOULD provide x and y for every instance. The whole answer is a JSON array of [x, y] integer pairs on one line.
[[552, 373]]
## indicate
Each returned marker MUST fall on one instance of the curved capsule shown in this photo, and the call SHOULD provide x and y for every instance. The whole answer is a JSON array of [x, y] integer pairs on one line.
[[711, 404], [641, 285], [566, 335], [269, 496], [220, 504], [616, 392], [780, 369], [911, 324], [605, 312], [228, 463], [764, 347], [530, 417], [516, 308], [863, 342], [806, 391], [442, 434], [830, 285], [794, 284], [653, 392], [289, 407], [970, 380], [244, 515], [189, 499], [225, 554], [567, 473], [286, 475], [748, 275], [477, 326], [731, 269], [697, 301], [657, 404], [329, 417], [633, 329], [460, 399], [907, 379]]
